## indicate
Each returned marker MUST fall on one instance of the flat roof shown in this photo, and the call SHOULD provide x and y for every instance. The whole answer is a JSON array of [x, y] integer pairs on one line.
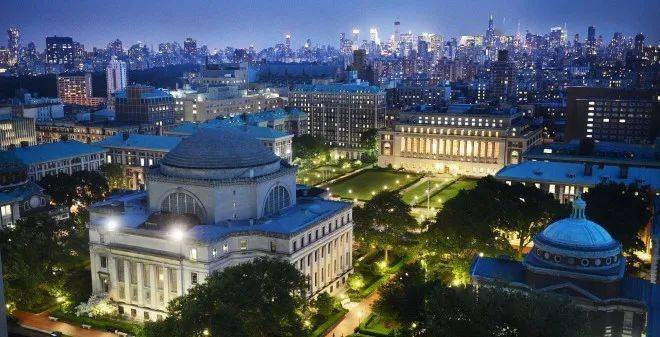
[[573, 174], [46, 152], [141, 142], [339, 88]]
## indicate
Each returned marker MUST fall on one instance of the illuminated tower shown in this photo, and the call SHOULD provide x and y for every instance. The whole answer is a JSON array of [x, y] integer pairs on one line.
[[13, 46], [373, 35], [490, 32], [397, 25], [287, 41]]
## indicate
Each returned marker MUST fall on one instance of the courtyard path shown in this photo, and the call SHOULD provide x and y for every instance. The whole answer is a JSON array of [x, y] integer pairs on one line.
[[357, 312], [40, 322]]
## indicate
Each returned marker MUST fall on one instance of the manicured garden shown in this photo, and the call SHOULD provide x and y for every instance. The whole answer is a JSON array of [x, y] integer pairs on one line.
[[416, 195], [364, 185], [316, 175], [375, 325], [450, 191], [372, 272]]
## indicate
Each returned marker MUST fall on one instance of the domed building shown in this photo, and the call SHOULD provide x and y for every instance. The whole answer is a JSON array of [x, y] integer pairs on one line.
[[217, 199], [578, 258]]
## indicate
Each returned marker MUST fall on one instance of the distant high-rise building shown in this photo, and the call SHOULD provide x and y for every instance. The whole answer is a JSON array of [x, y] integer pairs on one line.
[[116, 76], [190, 46], [617, 115], [287, 41], [639, 44], [144, 104], [116, 47], [503, 77], [591, 40], [74, 89], [60, 53], [77, 90], [397, 25], [490, 33], [13, 46], [373, 35]]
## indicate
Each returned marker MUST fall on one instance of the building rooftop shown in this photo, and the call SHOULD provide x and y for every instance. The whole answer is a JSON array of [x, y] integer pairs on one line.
[[573, 174], [189, 128], [54, 151], [199, 151], [601, 151], [339, 88], [306, 212], [141, 142], [18, 192], [464, 109]]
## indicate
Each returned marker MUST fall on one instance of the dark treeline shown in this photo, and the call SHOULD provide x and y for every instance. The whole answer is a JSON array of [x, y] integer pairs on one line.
[[46, 86]]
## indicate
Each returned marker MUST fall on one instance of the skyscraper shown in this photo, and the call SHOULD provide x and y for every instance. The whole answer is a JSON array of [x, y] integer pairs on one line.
[[591, 40], [13, 45], [59, 53], [490, 32], [504, 77], [190, 46], [115, 76], [397, 25]]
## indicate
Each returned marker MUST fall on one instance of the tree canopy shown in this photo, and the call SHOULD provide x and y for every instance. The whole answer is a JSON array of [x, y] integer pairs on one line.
[[384, 221], [84, 187], [308, 146], [481, 220], [622, 210], [114, 174], [263, 298], [44, 260], [369, 142], [430, 309]]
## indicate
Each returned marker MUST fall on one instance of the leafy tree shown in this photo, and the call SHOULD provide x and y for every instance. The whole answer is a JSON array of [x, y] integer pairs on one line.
[[44, 259], [114, 174], [264, 297], [384, 221], [430, 309], [308, 146], [623, 210], [402, 300], [477, 221], [82, 187], [325, 305], [369, 142]]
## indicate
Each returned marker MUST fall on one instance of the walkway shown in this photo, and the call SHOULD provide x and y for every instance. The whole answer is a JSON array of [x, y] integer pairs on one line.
[[357, 313], [40, 322]]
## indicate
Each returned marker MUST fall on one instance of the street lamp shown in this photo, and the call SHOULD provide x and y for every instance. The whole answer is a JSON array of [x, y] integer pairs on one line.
[[111, 225], [177, 234]]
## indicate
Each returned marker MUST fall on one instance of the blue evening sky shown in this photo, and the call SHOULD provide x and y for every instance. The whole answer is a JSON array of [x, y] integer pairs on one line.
[[264, 22]]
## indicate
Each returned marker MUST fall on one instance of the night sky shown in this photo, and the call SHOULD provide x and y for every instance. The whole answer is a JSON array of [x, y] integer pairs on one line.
[[263, 22]]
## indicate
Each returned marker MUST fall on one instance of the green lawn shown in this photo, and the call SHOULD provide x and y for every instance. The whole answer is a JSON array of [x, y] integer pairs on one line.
[[375, 325], [451, 191], [317, 175], [364, 185], [417, 194]]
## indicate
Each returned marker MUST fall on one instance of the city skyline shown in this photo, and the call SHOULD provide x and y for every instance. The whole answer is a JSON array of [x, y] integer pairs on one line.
[[262, 23]]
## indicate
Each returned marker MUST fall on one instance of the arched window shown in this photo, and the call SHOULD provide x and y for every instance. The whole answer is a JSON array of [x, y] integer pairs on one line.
[[182, 203], [278, 198]]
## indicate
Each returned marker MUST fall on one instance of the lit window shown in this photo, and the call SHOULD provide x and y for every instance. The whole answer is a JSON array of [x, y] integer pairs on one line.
[[244, 244]]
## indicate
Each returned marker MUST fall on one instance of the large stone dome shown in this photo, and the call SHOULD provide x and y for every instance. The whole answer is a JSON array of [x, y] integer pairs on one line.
[[219, 148], [577, 245], [219, 154]]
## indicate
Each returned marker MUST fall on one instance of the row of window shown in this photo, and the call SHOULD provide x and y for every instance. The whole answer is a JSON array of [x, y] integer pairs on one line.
[[326, 229]]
